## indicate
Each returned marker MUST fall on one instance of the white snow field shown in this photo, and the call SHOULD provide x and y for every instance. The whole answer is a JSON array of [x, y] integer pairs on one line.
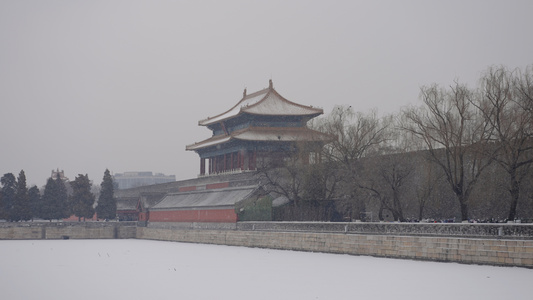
[[143, 269]]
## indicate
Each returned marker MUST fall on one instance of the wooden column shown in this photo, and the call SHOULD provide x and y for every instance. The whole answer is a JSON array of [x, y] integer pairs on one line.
[[252, 160], [202, 166], [255, 159]]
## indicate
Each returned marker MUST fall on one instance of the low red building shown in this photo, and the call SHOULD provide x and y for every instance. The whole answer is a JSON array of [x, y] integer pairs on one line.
[[135, 208], [210, 205]]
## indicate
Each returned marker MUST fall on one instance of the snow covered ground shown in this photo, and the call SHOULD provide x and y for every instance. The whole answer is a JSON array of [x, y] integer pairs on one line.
[[142, 269]]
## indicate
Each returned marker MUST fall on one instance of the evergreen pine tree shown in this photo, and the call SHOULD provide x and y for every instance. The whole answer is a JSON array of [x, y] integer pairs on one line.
[[21, 205], [107, 204], [55, 202], [35, 202], [82, 198], [9, 190], [49, 206], [64, 210]]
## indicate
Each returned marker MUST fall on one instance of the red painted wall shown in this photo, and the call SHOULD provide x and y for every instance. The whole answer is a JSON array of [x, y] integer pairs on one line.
[[73, 218], [143, 216], [187, 188], [211, 215], [217, 185]]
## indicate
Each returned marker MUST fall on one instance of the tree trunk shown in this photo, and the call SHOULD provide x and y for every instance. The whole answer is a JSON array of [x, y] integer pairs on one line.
[[515, 193], [398, 208], [464, 209], [420, 211], [380, 213]]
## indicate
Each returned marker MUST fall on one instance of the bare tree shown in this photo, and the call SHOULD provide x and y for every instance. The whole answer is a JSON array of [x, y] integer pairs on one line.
[[385, 180], [283, 176], [454, 134], [504, 94], [358, 135], [426, 186], [524, 85], [309, 185]]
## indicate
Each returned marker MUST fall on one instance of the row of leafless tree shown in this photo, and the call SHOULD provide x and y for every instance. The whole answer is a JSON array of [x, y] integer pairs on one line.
[[451, 156]]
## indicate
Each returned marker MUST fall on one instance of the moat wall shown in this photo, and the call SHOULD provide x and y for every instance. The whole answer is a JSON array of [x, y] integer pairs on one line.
[[492, 244], [67, 230]]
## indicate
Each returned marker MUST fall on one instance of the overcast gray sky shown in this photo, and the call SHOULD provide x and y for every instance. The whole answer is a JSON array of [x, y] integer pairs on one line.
[[90, 85]]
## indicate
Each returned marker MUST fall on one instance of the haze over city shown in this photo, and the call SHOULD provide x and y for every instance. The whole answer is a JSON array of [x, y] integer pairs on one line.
[[90, 85]]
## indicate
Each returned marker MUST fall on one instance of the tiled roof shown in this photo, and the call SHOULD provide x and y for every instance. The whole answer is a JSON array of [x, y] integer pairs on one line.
[[205, 199], [266, 134], [264, 102], [151, 199], [127, 203]]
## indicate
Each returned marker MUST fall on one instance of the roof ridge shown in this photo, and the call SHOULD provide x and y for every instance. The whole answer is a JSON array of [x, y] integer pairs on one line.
[[254, 94], [232, 188], [245, 97]]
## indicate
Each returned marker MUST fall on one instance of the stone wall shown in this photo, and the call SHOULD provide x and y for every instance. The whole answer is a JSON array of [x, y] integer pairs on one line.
[[68, 230], [492, 244], [503, 252]]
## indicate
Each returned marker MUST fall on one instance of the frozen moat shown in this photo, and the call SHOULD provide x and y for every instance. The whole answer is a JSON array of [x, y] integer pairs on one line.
[[142, 269]]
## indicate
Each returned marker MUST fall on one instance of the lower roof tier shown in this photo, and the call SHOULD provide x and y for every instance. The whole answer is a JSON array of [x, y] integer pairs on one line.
[[207, 199], [264, 134]]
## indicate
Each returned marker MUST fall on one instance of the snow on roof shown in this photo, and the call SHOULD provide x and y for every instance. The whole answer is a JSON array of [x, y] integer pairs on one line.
[[280, 200], [275, 105], [150, 199], [215, 140], [205, 199], [234, 111], [267, 134], [129, 203], [264, 102], [292, 134]]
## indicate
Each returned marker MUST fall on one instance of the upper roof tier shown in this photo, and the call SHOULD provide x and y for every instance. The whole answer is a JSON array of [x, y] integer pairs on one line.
[[266, 102]]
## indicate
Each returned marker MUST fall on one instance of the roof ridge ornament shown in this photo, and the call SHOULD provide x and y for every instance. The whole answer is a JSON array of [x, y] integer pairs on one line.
[[270, 84], [244, 93]]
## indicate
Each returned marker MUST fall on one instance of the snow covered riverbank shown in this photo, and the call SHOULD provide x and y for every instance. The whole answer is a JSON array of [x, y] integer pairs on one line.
[[141, 269]]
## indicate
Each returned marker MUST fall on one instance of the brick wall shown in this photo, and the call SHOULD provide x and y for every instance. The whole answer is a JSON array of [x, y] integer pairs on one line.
[[205, 215]]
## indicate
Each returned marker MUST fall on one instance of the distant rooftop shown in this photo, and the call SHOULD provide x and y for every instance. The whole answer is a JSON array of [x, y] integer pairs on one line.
[[128, 180]]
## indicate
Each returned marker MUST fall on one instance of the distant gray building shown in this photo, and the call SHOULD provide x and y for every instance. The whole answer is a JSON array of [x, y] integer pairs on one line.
[[128, 180]]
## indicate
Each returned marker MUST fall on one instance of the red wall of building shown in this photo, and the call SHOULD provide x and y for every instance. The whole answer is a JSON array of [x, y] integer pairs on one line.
[[220, 185], [73, 218], [211, 215], [187, 188], [143, 216]]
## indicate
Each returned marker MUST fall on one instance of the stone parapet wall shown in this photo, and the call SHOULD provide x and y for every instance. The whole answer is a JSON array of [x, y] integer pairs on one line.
[[446, 249], [192, 225], [21, 233], [68, 230], [478, 230]]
